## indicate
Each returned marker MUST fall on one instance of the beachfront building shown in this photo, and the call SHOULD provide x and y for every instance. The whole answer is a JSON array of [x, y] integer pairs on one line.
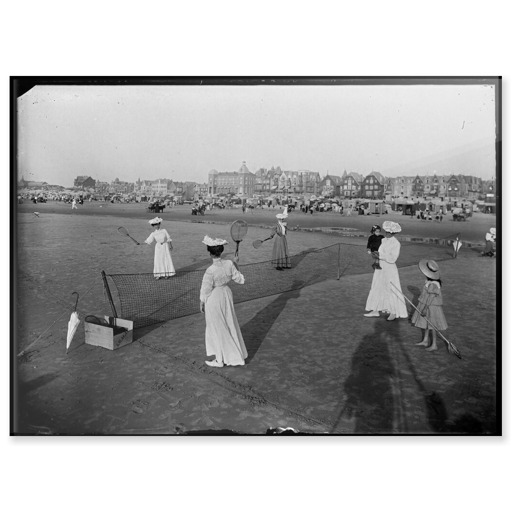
[[264, 181], [200, 190], [456, 187], [388, 188], [435, 186], [84, 182], [32, 184], [473, 187], [143, 187], [101, 188], [160, 187], [373, 186], [402, 186], [278, 182], [330, 185], [488, 189], [351, 184], [310, 182], [120, 187], [417, 187], [241, 182]]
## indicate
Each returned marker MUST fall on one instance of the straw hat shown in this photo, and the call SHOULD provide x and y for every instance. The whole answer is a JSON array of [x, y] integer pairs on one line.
[[211, 242], [156, 220], [430, 268], [391, 227]]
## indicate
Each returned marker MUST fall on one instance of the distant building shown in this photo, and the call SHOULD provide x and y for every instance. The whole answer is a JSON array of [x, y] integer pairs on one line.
[[120, 187], [435, 186], [241, 182], [373, 186], [403, 186], [330, 186], [32, 184], [456, 187], [160, 187], [417, 187], [351, 184], [84, 182]]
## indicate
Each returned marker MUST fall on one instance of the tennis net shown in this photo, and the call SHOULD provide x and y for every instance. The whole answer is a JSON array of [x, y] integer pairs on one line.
[[147, 301]]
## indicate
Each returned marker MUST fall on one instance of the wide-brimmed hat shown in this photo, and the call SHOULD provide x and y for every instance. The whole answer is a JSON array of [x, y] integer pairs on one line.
[[212, 242], [430, 268], [493, 231], [391, 227], [156, 220]]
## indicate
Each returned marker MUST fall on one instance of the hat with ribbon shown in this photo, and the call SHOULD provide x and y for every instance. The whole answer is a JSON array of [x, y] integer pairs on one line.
[[156, 220], [430, 268], [284, 215], [391, 227], [211, 242]]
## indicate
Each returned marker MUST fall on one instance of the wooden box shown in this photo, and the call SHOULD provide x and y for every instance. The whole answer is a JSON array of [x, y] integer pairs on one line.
[[117, 334]]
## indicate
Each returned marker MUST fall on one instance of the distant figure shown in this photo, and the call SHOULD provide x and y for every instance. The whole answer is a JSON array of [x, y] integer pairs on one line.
[[163, 266], [280, 256], [430, 306], [456, 245], [490, 243], [73, 205]]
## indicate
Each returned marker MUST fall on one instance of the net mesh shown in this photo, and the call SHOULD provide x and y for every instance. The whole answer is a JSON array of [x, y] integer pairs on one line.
[[147, 301]]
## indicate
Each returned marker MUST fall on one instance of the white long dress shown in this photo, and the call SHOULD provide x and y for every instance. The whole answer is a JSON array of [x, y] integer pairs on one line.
[[163, 266], [382, 296], [223, 336]]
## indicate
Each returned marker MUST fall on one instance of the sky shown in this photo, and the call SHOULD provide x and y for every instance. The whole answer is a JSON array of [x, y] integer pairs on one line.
[[182, 132]]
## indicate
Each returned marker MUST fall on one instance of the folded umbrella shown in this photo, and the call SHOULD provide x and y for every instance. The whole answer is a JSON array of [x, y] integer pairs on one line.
[[72, 324]]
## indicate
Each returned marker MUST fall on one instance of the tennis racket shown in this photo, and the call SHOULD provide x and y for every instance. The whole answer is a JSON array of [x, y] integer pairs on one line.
[[257, 243], [124, 232], [238, 231]]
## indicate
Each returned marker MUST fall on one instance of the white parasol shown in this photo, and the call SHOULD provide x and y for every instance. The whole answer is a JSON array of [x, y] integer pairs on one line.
[[457, 244], [72, 324]]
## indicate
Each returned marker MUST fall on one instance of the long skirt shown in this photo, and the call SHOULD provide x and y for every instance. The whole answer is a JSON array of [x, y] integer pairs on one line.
[[163, 265], [223, 336], [280, 256], [383, 296]]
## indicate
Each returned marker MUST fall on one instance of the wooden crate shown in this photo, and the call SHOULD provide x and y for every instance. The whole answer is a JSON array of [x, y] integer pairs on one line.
[[104, 335]]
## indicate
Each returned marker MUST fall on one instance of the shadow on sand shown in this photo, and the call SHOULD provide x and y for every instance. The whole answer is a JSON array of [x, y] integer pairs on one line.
[[368, 389], [256, 329]]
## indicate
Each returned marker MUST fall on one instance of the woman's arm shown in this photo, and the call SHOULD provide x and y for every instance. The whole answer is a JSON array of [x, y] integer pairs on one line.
[[206, 287], [236, 275]]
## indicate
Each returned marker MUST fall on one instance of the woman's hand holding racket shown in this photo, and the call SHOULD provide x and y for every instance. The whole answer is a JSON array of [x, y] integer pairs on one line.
[[124, 232]]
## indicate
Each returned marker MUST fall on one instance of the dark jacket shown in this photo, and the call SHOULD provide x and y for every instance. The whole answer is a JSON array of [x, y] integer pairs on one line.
[[374, 242]]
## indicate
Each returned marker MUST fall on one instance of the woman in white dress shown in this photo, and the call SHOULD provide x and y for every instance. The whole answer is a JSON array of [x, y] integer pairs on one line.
[[223, 337], [382, 296], [163, 266]]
